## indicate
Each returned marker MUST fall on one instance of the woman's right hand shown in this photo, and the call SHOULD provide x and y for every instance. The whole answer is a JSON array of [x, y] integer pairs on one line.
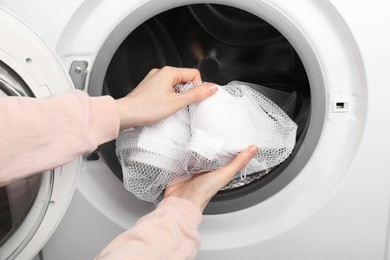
[[201, 187]]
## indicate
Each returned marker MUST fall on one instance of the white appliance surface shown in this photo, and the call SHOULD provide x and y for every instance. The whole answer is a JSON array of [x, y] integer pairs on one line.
[[24, 54], [338, 205]]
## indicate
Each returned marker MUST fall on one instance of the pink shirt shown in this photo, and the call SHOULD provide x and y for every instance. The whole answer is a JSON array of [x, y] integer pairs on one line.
[[40, 134]]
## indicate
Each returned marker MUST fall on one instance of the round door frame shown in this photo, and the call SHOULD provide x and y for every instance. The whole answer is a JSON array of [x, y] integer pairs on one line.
[[37, 65]]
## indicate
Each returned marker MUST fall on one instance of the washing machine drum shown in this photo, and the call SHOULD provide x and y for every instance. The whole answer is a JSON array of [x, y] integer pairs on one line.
[[30, 208], [225, 44], [204, 137]]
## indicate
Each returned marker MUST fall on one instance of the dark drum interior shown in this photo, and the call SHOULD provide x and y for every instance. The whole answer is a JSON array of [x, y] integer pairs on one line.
[[225, 44]]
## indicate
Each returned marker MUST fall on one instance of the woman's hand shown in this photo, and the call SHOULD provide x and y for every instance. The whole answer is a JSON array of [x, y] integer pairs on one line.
[[154, 98], [203, 186]]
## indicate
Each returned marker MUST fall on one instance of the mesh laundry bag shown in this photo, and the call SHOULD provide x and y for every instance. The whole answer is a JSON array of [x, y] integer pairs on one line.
[[203, 137]]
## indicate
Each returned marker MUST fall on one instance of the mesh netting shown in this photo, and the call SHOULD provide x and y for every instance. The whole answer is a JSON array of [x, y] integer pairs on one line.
[[206, 136]]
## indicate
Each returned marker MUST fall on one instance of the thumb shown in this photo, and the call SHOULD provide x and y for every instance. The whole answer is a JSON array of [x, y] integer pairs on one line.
[[219, 178], [197, 94]]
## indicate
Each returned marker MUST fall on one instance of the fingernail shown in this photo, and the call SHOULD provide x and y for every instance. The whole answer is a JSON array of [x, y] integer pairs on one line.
[[252, 150], [212, 89]]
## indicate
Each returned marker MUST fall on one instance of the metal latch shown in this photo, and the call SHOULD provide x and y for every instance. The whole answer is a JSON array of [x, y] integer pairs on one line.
[[78, 73]]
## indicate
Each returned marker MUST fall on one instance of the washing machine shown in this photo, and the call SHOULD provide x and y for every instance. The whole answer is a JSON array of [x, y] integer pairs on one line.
[[31, 208], [329, 200]]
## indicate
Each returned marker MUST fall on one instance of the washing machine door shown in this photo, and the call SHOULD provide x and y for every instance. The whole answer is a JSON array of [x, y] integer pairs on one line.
[[30, 209]]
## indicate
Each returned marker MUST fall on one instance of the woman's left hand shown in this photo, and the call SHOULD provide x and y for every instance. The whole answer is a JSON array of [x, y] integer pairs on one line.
[[154, 98]]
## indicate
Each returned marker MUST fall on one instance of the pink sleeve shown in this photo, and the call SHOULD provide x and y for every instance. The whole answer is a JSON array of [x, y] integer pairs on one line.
[[36, 135], [39, 134], [169, 232]]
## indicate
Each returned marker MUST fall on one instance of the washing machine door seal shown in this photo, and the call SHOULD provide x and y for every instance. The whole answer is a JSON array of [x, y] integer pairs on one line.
[[37, 72]]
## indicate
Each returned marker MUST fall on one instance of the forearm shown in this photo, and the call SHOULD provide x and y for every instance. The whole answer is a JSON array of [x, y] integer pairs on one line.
[[169, 232], [40, 134]]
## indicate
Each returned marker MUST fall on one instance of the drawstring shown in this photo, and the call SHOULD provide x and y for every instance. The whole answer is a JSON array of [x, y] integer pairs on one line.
[[243, 173]]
